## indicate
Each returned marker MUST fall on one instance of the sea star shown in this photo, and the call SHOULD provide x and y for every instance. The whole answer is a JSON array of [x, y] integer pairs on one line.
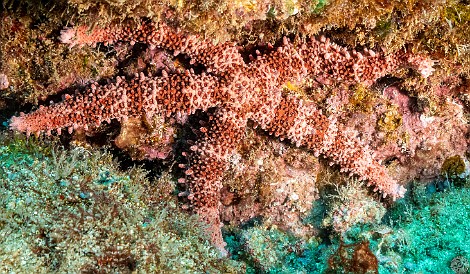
[[240, 91]]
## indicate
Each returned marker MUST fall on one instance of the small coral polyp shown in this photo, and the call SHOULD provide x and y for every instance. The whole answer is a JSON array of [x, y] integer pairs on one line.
[[240, 92]]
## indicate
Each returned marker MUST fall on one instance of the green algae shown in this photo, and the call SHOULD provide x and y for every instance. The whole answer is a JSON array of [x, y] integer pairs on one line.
[[73, 211]]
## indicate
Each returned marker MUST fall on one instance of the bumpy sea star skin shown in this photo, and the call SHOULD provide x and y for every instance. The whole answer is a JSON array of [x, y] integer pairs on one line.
[[240, 91]]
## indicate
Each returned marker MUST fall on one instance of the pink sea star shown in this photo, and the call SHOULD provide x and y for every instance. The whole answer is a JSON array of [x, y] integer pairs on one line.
[[240, 91]]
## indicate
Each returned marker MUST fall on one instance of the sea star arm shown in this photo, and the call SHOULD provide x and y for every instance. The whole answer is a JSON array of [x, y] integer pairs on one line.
[[217, 58], [333, 63], [322, 58], [208, 161], [141, 95], [302, 123]]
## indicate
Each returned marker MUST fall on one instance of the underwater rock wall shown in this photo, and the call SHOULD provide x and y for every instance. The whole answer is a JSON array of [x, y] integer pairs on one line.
[[283, 208]]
